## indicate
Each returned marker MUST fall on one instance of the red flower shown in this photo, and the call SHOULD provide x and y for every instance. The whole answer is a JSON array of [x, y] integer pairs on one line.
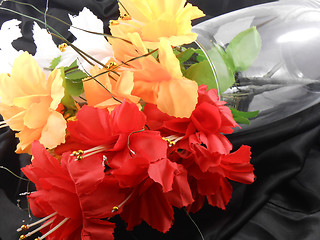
[[199, 144], [135, 157], [74, 194], [213, 182]]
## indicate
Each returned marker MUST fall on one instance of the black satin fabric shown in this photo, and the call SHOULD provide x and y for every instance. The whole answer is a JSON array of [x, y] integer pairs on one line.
[[283, 203]]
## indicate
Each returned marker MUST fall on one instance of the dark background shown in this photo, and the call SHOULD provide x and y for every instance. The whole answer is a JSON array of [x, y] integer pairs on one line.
[[282, 204]]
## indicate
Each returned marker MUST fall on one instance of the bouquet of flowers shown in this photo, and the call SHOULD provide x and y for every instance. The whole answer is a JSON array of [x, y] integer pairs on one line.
[[116, 125]]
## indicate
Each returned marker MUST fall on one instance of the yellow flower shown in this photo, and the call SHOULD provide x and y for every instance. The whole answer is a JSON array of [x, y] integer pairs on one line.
[[107, 90], [28, 103], [155, 19], [160, 83]]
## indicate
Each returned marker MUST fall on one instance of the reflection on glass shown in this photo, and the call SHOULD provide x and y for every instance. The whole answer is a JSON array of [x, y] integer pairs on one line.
[[284, 78]]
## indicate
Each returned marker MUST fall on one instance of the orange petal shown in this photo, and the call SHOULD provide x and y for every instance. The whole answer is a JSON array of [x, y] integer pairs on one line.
[[26, 137], [54, 131], [95, 93], [178, 97], [37, 114], [14, 116]]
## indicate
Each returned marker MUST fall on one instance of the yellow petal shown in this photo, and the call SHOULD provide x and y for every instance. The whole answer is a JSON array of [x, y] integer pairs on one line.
[[26, 101], [54, 83], [27, 75], [8, 89], [153, 19], [168, 59]]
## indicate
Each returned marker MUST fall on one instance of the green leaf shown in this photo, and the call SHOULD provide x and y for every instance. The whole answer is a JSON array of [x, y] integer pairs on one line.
[[185, 55], [243, 117], [154, 54], [73, 80], [74, 87], [55, 62], [202, 74], [244, 48], [76, 74], [223, 67], [67, 100], [200, 55]]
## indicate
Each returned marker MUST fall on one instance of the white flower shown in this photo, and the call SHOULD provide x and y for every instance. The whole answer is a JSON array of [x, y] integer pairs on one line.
[[94, 45], [46, 48], [9, 32]]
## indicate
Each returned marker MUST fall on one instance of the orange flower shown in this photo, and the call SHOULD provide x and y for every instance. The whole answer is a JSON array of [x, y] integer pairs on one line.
[[155, 19], [160, 83], [107, 90], [29, 102]]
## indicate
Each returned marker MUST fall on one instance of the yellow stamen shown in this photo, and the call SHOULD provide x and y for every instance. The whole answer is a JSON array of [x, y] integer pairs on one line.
[[112, 65], [80, 154], [35, 223], [53, 229], [73, 118], [62, 47], [125, 17], [24, 227], [22, 237], [172, 140], [114, 22], [37, 230], [116, 208]]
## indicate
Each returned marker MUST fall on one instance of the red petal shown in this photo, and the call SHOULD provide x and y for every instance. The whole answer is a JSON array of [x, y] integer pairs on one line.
[[99, 204], [206, 117], [39, 204], [65, 203], [237, 167], [181, 195], [148, 144], [222, 196], [209, 183], [92, 127], [151, 206], [163, 172], [216, 143], [155, 118], [127, 118], [95, 229], [132, 172], [86, 173], [204, 158]]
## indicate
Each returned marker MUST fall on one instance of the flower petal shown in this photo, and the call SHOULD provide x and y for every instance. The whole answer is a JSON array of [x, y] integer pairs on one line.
[[53, 133]]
